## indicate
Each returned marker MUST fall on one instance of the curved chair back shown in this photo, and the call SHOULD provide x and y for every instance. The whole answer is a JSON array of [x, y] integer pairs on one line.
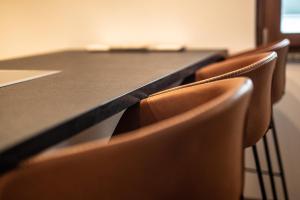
[[281, 48], [194, 151], [259, 68]]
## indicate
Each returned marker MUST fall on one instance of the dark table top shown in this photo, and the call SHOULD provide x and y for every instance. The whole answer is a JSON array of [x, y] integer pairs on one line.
[[90, 88]]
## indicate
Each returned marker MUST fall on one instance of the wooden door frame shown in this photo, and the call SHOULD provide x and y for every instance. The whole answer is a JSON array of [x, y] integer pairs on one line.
[[259, 22], [268, 13]]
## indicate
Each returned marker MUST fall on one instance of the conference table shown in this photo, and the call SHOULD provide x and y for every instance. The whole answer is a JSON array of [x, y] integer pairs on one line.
[[88, 88]]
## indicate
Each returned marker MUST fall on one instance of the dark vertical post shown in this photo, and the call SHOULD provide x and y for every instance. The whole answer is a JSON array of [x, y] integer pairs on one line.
[[270, 167], [280, 164], [259, 173]]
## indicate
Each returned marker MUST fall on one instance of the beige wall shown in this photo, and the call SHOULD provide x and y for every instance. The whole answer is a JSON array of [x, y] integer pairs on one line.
[[34, 26]]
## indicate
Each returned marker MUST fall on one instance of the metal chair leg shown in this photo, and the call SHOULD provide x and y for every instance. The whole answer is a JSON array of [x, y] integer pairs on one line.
[[280, 164], [270, 167], [259, 173]]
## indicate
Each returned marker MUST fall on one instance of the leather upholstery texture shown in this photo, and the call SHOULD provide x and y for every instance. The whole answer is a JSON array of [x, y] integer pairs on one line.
[[279, 77], [188, 145], [259, 68]]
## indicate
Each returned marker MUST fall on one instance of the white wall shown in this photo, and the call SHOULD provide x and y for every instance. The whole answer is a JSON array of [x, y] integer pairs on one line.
[[34, 26]]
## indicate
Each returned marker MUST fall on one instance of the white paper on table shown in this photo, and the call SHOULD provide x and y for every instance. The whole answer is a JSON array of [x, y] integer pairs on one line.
[[9, 77]]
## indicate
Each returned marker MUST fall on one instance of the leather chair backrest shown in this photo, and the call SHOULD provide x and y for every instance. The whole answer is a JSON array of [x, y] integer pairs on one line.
[[259, 68], [279, 77], [191, 147]]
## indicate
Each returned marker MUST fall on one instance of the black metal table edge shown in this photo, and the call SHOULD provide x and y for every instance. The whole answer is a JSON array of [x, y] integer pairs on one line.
[[11, 157]]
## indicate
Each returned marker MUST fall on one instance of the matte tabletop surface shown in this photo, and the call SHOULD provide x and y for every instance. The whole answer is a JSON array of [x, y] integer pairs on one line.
[[89, 88]]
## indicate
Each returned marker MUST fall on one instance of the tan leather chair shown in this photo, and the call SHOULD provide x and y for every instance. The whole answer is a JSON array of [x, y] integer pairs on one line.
[[279, 77], [281, 47], [259, 68], [190, 146]]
